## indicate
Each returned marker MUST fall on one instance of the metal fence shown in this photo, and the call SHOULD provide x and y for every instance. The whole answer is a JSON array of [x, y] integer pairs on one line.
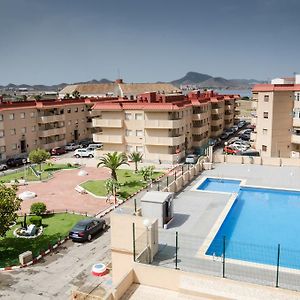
[[272, 265]]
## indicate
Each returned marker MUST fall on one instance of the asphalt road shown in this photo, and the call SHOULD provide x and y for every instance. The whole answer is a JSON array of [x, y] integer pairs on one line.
[[57, 274]]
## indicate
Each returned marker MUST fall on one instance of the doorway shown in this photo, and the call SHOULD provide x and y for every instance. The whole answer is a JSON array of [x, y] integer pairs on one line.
[[76, 134], [23, 146]]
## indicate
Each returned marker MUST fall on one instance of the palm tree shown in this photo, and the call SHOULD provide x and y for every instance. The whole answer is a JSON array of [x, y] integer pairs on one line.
[[67, 96], [113, 161], [76, 94], [136, 157], [112, 186]]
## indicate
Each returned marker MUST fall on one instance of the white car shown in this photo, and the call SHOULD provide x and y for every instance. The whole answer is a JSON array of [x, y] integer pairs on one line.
[[71, 146], [240, 143], [83, 152]]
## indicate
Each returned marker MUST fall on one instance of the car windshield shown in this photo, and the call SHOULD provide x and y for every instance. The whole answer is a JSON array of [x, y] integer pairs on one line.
[[79, 227]]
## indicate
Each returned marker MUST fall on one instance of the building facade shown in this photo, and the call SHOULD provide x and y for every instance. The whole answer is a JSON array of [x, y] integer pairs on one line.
[[163, 127], [277, 117]]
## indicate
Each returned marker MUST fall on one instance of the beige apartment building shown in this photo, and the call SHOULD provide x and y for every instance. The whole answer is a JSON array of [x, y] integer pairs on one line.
[[277, 118], [28, 125], [163, 127]]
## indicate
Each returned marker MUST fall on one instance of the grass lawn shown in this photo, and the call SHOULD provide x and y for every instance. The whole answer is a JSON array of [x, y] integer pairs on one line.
[[129, 180], [55, 226], [30, 176]]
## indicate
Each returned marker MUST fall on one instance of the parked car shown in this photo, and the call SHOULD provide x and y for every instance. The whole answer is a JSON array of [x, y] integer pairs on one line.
[[16, 161], [224, 136], [71, 147], [191, 159], [241, 143], [84, 152], [230, 150], [85, 229], [3, 167], [58, 151], [235, 128], [230, 131], [85, 143], [250, 152], [214, 142], [247, 131], [241, 124], [245, 137], [94, 146], [233, 140]]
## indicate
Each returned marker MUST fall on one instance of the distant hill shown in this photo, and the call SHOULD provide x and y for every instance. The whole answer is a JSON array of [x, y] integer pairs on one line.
[[206, 81]]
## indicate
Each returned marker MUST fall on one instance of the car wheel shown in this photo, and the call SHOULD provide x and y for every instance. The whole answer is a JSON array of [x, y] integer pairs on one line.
[[77, 156], [4, 168], [91, 156], [89, 238]]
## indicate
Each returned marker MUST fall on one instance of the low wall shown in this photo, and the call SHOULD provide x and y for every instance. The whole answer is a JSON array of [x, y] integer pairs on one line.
[[123, 285], [234, 159], [271, 161]]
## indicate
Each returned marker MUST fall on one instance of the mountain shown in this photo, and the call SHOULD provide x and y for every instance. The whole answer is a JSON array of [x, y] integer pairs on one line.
[[55, 87], [206, 81]]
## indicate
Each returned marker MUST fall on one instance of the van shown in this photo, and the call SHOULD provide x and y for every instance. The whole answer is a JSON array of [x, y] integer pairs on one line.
[[191, 159], [94, 146]]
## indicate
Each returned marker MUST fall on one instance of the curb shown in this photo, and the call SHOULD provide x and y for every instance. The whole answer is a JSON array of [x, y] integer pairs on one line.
[[36, 259]]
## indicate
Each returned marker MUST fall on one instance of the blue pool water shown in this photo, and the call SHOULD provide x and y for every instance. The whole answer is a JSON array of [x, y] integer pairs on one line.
[[258, 221], [220, 185]]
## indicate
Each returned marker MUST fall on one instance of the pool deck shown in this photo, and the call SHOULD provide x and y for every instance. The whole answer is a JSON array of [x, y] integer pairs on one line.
[[197, 214]]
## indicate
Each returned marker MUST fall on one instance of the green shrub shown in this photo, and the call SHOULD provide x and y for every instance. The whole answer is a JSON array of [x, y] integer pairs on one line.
[[69, 165], [36, 220], [38, 208]]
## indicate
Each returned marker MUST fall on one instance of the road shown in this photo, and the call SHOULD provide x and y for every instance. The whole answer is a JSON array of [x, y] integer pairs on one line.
[[59, 273]]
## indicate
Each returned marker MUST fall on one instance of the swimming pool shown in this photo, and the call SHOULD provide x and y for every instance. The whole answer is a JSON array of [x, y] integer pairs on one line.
[[257, 222], [220, 185]]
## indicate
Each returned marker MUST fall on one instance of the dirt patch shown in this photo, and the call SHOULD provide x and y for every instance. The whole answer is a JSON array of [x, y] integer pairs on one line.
[[6, 281]]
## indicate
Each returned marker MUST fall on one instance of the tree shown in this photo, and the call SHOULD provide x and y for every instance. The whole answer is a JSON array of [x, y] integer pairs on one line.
[[136, 157], [112, 186], [38, 156], [37, 97], [76, 94], [9, 205], [38, 208], [113, 161], [147, 173], [67, 96]]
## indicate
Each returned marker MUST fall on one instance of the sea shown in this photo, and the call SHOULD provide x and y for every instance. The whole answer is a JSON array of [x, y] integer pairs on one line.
[[242, 93]]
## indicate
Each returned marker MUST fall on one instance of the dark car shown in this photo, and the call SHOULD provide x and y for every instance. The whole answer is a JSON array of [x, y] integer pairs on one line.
[[245, 137], [58, 151], [85, 143], [250, 152], [85, 229], [16, 161], [224, 136]]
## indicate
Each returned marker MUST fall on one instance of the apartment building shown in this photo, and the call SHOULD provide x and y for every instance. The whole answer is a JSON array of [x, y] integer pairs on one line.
[[164, 127], [277, 118], [28, 125]]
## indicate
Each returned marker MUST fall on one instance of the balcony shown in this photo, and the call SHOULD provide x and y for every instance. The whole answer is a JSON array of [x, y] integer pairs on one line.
[[109, 139], [228, 117], [164, 141], [200, 130], [201, 116], [217, 111], [216, 133], [89, 125], [296, 104], [229, 107], [216, 122], [296, 122], [109, 123], [295, 139], [163, 124], [201, 143], [51, 132], [51, 119]]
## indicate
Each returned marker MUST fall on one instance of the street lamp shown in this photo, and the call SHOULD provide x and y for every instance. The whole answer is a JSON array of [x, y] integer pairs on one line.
[[147, 225], [225, 146]]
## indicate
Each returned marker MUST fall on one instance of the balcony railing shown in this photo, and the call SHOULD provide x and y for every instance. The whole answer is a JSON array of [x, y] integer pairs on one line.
[[200, 130], [296, 122], [163, 124], [109, 139], [51, 119], [201, 116], [295, 139], [164, 141], [50, 132], [109, 123]]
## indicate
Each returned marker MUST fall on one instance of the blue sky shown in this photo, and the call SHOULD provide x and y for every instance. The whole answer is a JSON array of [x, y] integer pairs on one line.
[[53, 41]]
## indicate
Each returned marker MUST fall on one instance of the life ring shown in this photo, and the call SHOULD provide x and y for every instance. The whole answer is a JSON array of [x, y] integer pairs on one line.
[[99, 269]]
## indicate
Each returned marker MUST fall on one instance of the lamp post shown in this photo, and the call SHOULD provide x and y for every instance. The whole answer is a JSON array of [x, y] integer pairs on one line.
[[225, 146], [147, 225]]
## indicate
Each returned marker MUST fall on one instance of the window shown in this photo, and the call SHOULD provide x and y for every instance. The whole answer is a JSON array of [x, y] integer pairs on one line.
[[138, 116], [33, 128], [265, 131], [128, 132], [127, 116], [266, 98], [2, 149], [297, 96], [69, 122], [22, 115], [69, 110], [11, 116], [76, 122], [264, 148], [32, 114], [266, 115], [1, 117], [14, 146], [129, 148], [23, 130], [139, 133], [82, 109], [1, 133], [140, 149], [76, 109], [13, 131]]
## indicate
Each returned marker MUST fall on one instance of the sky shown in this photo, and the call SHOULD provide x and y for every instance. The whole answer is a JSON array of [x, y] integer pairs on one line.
[[54, 41]]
